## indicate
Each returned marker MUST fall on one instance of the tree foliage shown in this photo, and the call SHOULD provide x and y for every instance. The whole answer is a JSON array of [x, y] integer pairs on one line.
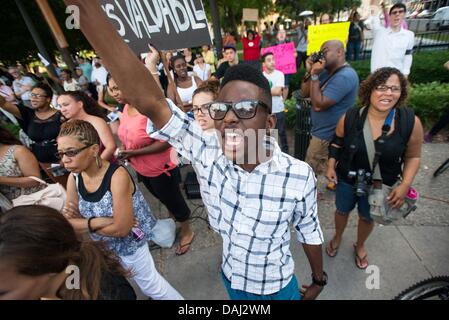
[[293, 8], [17, 43]]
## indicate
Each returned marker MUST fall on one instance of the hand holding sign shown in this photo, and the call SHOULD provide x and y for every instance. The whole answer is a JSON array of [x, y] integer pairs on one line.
[[170, 24], [325, 32], [284, 55]]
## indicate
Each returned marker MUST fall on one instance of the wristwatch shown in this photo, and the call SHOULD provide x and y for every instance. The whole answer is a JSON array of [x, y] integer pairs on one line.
[[322, 282], [314, 77]]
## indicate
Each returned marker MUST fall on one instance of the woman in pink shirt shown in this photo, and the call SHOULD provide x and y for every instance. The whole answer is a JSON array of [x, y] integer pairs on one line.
[[155, 164]]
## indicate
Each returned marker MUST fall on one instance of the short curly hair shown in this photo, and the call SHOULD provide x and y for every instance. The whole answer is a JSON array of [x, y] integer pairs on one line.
[[379, 77]]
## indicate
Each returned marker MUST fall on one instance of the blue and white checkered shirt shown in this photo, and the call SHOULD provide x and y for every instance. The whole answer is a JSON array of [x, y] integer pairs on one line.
[[250, 210]]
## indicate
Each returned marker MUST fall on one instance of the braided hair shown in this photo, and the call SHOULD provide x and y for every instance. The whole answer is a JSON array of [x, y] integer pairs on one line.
[[83, 131]]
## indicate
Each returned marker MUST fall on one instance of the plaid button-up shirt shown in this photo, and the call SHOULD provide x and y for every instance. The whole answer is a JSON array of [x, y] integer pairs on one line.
[[251, 211]]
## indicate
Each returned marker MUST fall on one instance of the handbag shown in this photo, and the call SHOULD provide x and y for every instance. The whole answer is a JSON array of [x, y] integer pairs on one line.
[[164, 232], [53, 195], [380, 210], [5, 204]]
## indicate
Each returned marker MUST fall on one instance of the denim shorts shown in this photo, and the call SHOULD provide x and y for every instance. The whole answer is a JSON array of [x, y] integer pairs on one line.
[[289, 292], [346, 199]]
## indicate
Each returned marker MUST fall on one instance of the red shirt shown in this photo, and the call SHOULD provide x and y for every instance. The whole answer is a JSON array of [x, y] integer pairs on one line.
[[251, 49], [133, 134]]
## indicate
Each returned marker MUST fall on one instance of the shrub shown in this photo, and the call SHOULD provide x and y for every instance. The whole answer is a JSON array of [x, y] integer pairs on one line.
[[429, 101]]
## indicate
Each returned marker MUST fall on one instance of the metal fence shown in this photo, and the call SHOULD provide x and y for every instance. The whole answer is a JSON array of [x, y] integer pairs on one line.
[[438, 40]]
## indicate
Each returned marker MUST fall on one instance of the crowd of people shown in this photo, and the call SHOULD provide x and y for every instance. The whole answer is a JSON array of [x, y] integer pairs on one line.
[[103, 127]]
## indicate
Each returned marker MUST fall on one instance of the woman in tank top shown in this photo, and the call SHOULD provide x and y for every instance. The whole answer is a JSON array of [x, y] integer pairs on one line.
[[103, 201], [185, 84], [383, 93]]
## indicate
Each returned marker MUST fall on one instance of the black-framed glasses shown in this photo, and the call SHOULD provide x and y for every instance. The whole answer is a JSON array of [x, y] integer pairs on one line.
[[71, 153], [245, 109], [36, 95], [202, 108], [384, 88]]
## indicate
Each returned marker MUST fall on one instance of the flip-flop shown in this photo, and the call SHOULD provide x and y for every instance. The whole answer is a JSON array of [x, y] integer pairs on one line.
[[359, 261], [330, 250], [181, 246]]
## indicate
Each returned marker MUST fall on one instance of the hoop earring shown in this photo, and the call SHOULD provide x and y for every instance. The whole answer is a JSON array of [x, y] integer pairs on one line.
[[98, 161]]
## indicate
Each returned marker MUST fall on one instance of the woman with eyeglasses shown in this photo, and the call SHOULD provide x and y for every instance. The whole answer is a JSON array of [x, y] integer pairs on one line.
[[76, 105], [41, 124], [206, 93], [104, 202], [155, 164], [185, 84], [397, 134]]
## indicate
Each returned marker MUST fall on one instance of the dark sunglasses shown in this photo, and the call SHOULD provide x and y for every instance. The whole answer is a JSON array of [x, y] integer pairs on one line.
[[245, 109], [71, 153]]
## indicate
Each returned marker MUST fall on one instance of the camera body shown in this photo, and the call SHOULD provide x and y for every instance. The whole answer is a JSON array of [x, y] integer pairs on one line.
[[363, 180], [317, 56]]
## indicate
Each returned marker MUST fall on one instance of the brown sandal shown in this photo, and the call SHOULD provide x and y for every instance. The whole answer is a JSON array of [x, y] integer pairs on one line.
[[330, 250], [360, 262]]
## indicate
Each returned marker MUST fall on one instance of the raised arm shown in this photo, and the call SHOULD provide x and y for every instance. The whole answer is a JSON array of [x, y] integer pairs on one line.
[[133, 78], [10, 107]]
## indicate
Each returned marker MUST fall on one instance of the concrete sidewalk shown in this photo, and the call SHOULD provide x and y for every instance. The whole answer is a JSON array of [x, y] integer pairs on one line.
[[403, 256], [413, 250]]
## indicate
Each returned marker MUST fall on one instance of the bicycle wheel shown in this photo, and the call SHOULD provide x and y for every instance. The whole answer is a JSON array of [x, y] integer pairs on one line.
[[441, 168], [436, 287]]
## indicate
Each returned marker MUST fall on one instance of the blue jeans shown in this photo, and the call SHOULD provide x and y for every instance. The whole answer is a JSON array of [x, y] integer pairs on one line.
[[346, 200], [290, 292], [353, 50]]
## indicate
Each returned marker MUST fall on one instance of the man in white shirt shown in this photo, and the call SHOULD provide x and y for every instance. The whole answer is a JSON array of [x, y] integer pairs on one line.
[[22, 86], [276, 80], [393, 46], [99, 73]]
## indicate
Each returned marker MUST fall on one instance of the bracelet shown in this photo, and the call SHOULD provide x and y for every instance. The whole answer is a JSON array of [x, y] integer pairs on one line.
[[307, 76], [322, 282], [89, 226]]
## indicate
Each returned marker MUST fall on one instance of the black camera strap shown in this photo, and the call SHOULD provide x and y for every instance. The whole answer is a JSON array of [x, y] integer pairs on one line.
[[325, 82], [373, 151]]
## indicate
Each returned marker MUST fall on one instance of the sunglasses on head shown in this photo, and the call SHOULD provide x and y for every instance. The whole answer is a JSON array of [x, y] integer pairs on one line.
[[245, 109]]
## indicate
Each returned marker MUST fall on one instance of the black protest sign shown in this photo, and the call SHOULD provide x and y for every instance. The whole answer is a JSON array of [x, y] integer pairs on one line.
[[166, 24]]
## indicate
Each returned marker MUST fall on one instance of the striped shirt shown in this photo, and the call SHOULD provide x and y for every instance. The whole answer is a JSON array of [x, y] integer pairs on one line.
[[251, 211]]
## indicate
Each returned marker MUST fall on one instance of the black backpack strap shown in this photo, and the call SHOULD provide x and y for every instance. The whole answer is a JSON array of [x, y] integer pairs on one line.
[[407, 122], [351, 119]]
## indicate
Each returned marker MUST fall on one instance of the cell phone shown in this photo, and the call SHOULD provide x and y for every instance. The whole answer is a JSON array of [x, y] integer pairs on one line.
[[57, 170], [113, 116]]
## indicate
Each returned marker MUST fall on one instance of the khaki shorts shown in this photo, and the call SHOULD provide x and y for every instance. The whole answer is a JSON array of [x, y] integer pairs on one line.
[[317, 155]]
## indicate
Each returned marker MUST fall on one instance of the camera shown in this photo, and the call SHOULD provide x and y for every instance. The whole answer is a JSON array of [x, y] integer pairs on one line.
[[317, 56], [362, 182]]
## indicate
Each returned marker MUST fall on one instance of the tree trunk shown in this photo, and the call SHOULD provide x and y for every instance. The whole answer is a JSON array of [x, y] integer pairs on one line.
[[234, 30]]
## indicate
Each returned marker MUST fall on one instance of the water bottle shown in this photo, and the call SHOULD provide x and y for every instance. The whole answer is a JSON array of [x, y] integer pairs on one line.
[[138, 234], [410, 200]]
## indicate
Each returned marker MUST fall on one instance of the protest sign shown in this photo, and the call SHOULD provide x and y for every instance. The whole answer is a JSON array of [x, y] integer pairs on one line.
[[250, 14], [166, 24], [320, 34], [284, 55]]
